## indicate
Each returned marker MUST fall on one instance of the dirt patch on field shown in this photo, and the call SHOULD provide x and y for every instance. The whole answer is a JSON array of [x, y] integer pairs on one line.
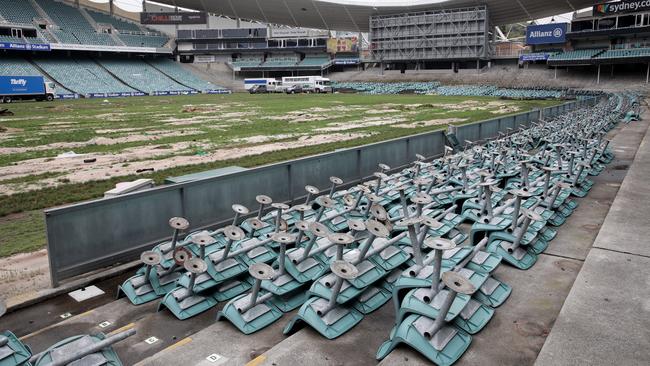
[[363, 123], [149, 136], [129, 161], [23, 274]]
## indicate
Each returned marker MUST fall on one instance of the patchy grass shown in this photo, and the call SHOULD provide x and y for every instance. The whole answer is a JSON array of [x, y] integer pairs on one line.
[[44, 130], [22, 233]]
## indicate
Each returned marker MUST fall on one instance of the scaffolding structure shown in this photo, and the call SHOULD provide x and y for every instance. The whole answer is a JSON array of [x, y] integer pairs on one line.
[[436, 35]]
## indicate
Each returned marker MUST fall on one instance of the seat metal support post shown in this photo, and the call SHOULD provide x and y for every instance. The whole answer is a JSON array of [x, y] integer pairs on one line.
[[440, 319], [332, 300]]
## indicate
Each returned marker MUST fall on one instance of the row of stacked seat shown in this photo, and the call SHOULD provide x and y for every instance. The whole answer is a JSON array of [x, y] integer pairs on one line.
[[428, 237]]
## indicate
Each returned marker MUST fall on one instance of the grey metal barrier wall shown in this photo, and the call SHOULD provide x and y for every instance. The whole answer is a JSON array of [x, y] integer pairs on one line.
[[91, 235]]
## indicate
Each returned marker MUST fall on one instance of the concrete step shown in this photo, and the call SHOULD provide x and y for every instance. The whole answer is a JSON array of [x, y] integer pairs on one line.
[[356, 347], [220, 343], [606, 317]]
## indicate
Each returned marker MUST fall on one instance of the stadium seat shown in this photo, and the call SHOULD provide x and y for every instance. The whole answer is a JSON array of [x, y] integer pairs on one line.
[[119, 24], [21, 12], [141, 40], [20, 67], [140, 75], [282, 60], [177, 72], [576, 55], [248, 61], [318, 60], [82, 75], [74, 28]]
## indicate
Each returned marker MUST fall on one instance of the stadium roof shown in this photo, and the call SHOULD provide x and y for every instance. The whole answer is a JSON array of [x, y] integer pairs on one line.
[[352, 15]]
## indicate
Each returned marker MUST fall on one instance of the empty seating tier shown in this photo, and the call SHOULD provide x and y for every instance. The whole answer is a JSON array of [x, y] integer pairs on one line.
[[120, 25], [286, 60], [142, 76], [186, 77], [74, 27], [83, 75], [315, 61], [18, 11], [577, 55], [625, 53], [21, 67], [137, 40]]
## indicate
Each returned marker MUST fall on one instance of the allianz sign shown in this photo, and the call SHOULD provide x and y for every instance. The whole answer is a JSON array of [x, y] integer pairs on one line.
[[546, 33]]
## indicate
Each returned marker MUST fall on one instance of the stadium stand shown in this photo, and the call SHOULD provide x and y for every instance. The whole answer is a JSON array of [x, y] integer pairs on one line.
[[74, 28], [82, 75], [248, 61], [317, 60], [140, 75], [20, 12], [21, 67], [281, 60], [136, 40], [576, 55], [183, 76], [625, 53], [119, 24]]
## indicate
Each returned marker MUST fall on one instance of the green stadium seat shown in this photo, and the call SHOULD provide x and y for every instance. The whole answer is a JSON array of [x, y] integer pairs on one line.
[[177, 72]]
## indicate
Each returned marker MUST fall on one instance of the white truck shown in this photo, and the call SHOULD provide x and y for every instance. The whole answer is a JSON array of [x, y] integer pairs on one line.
[[314, 84], [272, 85]]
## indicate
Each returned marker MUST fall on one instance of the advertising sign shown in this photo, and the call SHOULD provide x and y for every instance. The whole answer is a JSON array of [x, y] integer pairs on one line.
[[531, 57], [174, 18], [336, 45], [21, 85], [24, 46], [621, 7], [546, 33]]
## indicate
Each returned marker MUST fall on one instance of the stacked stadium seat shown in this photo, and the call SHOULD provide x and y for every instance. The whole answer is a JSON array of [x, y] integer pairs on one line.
[[74, 27], [21, 12], [142, 76], [177, 72], [84, 76]]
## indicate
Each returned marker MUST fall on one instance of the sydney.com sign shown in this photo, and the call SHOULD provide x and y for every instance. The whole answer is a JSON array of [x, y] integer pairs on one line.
[[621, 7], [546, 33]]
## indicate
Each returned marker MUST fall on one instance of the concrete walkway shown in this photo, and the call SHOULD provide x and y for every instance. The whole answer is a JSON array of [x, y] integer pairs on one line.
[[605, 319]]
